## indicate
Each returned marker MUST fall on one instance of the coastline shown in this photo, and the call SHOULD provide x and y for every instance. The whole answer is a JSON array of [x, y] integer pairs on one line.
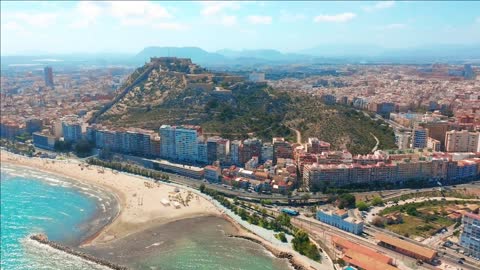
[[139, 203], [107, 207], [138, 199]]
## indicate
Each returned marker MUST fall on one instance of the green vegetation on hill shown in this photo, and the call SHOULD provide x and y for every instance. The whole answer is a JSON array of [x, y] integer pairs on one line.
[[175, 98], [343, 127]]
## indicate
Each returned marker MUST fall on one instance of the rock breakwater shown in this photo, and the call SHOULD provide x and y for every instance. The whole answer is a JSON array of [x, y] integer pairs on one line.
[[43, 239]]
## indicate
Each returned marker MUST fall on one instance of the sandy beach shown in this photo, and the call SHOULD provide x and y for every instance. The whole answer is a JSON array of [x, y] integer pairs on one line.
[[140, 201]]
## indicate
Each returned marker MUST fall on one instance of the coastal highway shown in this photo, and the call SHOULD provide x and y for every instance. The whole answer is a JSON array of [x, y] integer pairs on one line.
[[195, 183], [319, 197]]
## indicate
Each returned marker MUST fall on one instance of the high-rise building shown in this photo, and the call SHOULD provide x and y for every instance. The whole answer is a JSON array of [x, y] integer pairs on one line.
[[48, 74], [385, 108], [72, 128], [433, 144], [202, 151], [155, 146], [437, 130], [223, 150], [72, 131], [462, 141], [212, 149], [186, 138], [420, 136], [402, 140], [468, 72], [315, 146], [470, 238], [167, 142], [57, 129], [218, 149], [43, 140], [267, 152], [281, 149], [33, 125], [235, 152], [250, 148]]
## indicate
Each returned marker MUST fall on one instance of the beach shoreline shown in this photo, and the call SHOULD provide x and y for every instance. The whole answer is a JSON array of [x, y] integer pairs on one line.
[[139, 202], [138, 199], [107, 206]]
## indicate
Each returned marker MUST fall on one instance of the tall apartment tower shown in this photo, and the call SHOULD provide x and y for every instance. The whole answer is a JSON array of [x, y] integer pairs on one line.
[[468, 72], [420, 136], [186, 146], [462, 141], [470, 238], [167, 142], [48, 73]]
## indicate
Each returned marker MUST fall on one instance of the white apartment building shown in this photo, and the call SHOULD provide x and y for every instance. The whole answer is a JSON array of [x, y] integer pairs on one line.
[[462, 141]]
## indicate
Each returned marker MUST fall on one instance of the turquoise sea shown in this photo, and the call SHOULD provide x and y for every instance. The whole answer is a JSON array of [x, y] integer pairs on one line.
[[68, 212], [35, 202]]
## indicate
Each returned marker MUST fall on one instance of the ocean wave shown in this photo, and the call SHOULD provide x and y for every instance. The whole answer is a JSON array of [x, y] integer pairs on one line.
[[63, 213], [39, 218], [155, 244]]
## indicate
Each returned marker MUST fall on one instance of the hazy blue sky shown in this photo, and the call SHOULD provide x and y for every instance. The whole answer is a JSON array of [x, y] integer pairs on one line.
[[69, 27]]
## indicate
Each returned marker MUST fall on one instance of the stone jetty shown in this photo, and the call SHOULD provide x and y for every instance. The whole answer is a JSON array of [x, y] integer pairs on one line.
[[275, 252], [43, 239]]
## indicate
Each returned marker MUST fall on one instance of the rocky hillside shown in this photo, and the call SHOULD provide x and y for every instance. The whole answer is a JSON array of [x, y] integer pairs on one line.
[[176, 91]]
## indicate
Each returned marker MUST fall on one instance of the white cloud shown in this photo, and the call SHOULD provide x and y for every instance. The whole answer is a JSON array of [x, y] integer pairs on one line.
[[286, 16], [42, 19], [138, 12], [143, 13], [379, 6], [87, 12], [256, 19], [229, 20], [211, 8], [11, 26], [337, 18], [394, 26], [15, 28], [170, 26]]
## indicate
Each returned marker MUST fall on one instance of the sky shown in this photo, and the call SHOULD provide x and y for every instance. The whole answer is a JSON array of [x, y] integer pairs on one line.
[[127, 27]]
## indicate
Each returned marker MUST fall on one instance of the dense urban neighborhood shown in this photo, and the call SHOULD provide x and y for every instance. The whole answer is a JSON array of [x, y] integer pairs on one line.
[[418, 170]]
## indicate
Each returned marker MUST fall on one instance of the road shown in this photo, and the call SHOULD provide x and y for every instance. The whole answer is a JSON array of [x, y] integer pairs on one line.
[[299, 135], [377, 144], [320, 197]]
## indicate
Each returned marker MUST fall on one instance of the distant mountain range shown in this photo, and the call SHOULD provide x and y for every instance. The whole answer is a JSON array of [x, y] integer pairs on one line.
[[324, 53], [334, 53]]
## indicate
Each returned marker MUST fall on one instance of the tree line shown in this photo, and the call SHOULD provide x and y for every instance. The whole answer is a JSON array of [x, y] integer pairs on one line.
[[130, 168], [281, 223]]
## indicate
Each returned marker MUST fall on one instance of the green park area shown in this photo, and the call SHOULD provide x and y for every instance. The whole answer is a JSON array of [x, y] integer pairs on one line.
[[421, 219]]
